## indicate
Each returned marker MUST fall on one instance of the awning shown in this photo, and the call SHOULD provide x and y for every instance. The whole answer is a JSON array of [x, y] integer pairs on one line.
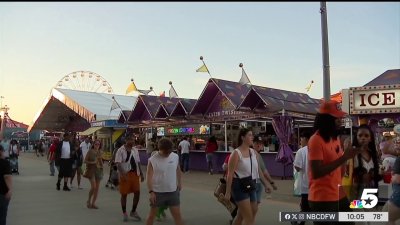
[[89, 131], [116, 135]]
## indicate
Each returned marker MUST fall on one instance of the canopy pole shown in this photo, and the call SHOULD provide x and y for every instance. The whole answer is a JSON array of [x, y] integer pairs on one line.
[[298, 134], [226, 138], [28, 144]]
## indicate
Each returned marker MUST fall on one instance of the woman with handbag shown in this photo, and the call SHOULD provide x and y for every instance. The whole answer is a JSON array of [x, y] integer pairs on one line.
[[94, 172], [242, 172]]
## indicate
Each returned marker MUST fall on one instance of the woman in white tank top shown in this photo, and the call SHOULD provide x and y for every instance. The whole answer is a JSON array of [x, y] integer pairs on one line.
[[243, 164]]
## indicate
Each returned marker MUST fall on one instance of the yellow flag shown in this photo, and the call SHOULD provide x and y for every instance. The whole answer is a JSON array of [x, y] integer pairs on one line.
[[309, 86], [203, 68], [131, 87]]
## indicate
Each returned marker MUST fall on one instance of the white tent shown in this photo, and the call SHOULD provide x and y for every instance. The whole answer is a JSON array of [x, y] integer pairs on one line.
[[64, 106]]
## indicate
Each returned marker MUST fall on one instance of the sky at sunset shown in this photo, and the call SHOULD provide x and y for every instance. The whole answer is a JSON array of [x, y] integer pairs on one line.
[[157, 42]]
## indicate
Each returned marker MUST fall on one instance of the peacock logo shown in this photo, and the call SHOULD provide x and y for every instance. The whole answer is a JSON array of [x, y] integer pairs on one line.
[[356, 204], [368, 199]]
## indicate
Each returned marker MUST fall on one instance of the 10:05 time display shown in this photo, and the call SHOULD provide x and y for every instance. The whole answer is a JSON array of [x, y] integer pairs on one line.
[[355, 216]]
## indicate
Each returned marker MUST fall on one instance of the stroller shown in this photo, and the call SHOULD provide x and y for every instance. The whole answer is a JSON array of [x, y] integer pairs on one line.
[[14, 164], [113, 179]]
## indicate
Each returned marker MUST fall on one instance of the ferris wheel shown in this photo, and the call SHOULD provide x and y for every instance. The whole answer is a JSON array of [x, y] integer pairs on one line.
[[85, 81]]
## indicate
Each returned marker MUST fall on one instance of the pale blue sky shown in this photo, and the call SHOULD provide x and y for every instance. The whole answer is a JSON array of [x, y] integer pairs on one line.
[[278, 43]]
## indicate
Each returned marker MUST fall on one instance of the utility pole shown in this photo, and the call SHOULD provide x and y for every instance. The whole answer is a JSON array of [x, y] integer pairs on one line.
[[325, 52]]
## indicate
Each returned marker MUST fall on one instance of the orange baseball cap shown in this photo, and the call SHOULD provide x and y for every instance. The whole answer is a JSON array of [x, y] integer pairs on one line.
[[332, 108]]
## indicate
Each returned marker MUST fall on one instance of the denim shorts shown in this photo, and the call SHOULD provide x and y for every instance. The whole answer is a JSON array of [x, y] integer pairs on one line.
[[209, 157], [238, 195], [259, 191], [395, 198], [166, 199]]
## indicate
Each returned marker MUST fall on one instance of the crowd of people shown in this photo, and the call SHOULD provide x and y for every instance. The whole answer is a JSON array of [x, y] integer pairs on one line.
[[164, 172]]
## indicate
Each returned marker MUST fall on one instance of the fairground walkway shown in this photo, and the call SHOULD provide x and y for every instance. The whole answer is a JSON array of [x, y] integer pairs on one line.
[[36, 201]]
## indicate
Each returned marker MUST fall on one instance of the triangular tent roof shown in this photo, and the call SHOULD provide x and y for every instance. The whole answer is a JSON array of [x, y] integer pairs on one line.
[[124, 114], [234, 92], [165, 109], [184, 107], [389, 77], [10, 123], [274, 100], [151, 107]]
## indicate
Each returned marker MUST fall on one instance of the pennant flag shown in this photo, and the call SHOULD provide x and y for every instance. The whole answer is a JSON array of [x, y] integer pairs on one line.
[[308, 88], [145, 92], [244, 79], [162, 94], [172, 92], [114, 105], [131, 87], [203, 69]]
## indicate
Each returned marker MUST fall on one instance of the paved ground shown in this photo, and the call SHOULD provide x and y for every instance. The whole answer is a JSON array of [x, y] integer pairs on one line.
[[37, 202]]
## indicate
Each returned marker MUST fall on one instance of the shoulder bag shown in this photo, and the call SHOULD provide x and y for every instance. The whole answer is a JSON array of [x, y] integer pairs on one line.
[[126, 166], [248, 184], [219, 193]]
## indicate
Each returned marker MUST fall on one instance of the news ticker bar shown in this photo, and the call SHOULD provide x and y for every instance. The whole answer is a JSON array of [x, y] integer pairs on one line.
[[334, 216]]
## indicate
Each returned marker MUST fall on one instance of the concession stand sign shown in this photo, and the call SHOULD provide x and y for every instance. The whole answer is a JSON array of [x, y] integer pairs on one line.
[[375, 99]]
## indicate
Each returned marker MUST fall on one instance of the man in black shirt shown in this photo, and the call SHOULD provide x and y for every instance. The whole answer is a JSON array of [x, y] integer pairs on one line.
[[5, 186], [64, 160]]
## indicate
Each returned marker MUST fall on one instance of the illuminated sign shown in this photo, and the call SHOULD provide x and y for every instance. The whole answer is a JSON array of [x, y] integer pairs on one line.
[[204, 129], [160, 131], [190, 130], [182, 130], [375, 99]]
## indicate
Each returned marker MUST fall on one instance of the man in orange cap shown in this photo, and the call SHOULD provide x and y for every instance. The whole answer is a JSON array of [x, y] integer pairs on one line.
[[326, 158]]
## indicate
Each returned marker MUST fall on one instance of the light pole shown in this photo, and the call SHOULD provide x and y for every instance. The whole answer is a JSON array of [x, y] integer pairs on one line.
[[325, 51]]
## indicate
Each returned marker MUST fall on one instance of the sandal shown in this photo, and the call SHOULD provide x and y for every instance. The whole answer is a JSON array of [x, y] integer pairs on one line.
[[94, 207], [88, 205]]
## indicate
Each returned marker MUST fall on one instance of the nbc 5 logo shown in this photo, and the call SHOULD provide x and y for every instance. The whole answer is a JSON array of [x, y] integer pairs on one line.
[[369, 198]]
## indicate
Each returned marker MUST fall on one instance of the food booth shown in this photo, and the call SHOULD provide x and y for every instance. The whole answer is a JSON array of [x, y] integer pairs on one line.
[[222, 108], [377, 104]]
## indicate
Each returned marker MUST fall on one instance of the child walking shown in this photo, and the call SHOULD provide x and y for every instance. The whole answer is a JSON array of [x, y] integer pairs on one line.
[[164, 182]]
